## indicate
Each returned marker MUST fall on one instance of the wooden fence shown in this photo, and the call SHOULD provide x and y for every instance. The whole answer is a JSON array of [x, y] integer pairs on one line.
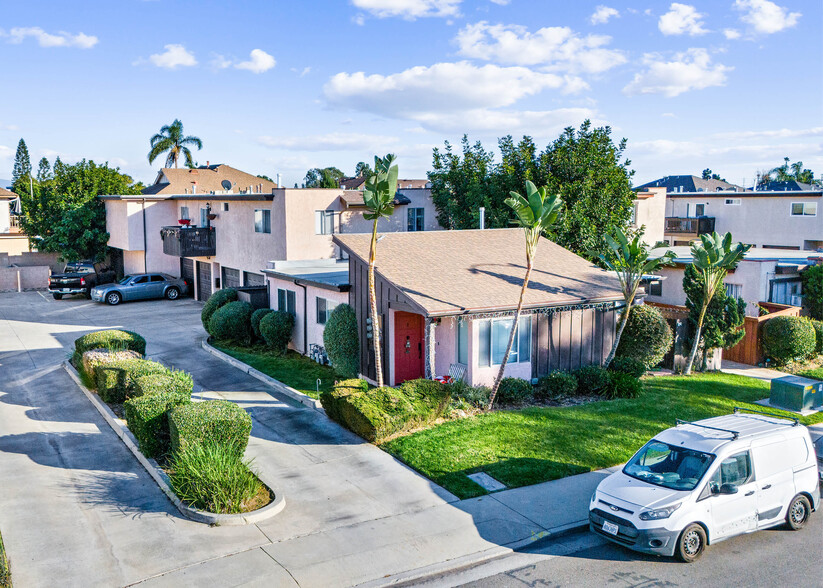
[[750, 348]]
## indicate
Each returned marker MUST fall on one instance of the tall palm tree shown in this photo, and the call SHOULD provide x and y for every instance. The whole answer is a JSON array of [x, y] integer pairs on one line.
[[535, 213], [630, 260], [378, 196], [713, 257], [171, 139]]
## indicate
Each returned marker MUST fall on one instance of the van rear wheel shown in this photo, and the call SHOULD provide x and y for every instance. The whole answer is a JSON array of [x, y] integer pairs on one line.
[[798, 513], [691, 543]]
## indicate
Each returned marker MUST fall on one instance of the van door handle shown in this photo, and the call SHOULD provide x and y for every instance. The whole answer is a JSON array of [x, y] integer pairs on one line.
[[749, 493], [766, 487]]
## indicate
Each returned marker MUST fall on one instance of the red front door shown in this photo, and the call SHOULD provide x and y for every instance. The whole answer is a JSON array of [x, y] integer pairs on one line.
[[408, 346]]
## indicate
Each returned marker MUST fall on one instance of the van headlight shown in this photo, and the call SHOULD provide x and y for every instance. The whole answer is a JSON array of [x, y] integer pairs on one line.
[[659, 513], [593, 498]]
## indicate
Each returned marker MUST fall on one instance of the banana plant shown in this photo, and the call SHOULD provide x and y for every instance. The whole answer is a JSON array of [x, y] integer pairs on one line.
[[536, 213]]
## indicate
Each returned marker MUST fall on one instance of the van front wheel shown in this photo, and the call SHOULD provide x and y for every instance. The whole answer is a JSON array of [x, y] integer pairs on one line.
[[691, 543], [798, 513]]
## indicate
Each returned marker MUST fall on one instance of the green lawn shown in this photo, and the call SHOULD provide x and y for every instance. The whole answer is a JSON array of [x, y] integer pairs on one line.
[[816, 373], [293, 369], [522, 447]]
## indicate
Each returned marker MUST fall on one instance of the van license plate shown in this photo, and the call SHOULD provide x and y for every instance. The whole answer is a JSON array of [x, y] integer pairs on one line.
[[610, 528]]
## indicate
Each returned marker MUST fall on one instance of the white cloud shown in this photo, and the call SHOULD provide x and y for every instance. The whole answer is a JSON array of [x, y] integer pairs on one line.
[[555, 48], [409, 9], [772, 134], [681, 19], [501, 2], [602, 14], [173, 57], [301, 73], [220, 62], [669, 115], [259, 62], [332, 142], [765, 16], [62, 39], [731, 34], [5, 152], [546, 123], [690, 70]]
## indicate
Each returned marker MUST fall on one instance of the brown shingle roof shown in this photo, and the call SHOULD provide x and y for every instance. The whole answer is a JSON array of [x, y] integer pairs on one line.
[[451, 272], [208, 179], [7, 194]]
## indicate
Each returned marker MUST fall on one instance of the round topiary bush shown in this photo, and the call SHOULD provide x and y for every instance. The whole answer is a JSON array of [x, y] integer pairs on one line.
[[342, 342], [628, 365], [592, 379], [214, 302], [514, 391], [818, 334], [276, 329], [256, 317], [788, 337], [557, 384], [647, 336], [232, 322]]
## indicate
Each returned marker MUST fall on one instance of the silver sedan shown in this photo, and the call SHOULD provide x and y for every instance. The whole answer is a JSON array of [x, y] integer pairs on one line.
[[140, 287]]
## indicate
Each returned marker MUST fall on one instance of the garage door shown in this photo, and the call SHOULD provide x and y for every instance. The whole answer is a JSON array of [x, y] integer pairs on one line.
[[231, 277], [252, 279], [187, 273], [203, 281]]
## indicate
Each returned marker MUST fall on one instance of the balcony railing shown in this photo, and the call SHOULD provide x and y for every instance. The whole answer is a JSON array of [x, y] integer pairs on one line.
[[689, 226], [188, 242]]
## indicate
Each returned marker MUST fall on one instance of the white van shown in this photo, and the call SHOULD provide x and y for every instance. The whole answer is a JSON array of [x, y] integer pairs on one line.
[[702, 482]]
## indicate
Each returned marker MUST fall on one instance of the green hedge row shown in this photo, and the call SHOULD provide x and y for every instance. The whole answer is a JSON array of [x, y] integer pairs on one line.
[[787, 338], [112, 339], [217, 421], [116, 380], [147, 418]]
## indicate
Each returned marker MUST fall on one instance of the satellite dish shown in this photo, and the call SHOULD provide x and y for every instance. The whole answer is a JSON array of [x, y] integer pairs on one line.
[[226, 184]]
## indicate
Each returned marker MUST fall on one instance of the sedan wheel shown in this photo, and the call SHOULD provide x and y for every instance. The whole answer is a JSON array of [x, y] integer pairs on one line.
[[113, 298], [172, 293], [798, 513]]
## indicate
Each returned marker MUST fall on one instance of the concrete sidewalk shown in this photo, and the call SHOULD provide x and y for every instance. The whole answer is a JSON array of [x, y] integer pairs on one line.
[[750, 371], [76, 505]]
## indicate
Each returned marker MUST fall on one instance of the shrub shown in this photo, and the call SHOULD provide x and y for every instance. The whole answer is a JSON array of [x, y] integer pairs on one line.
[[113, 339], [514, 391], [788, 337], [276, 328], [341, 340], [330, 399], [115, 381], [175, 382], [213, 421], [557, 384], [592, 379], [232, 322], [647, 336], [818, 335], [256, 317], [427, 396], [813, 291], [214, 302], [628, 365], [622, 385], [477, 396], [98, 357], [212, 477], [148, 419]]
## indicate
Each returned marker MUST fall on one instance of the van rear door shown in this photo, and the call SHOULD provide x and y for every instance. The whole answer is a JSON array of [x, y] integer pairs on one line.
[[774, 463]]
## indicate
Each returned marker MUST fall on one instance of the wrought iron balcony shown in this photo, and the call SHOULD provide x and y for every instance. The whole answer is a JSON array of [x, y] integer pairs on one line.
[[689, 226], [188, 242]]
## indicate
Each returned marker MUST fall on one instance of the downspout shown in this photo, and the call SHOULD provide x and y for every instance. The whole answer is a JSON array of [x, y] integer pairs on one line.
[[305, 317], [145, 252]]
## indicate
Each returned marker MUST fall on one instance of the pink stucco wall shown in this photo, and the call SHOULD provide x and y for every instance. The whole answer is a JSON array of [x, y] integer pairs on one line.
[[484, 375]]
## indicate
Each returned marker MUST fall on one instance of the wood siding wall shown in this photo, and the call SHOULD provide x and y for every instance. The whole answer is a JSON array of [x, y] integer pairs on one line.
[[750, 348], [572, 339]]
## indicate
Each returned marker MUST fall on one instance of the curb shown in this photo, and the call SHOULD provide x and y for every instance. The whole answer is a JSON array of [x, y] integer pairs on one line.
[[276, 384], [162, 479]]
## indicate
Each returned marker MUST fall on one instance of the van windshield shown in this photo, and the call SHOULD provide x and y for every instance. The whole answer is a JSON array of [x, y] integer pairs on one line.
[[665, 465]]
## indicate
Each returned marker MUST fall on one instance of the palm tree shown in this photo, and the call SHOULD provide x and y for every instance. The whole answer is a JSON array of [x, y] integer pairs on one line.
[[712, 257], [630, 261], [378, 196], [536, 213], [171, 139]]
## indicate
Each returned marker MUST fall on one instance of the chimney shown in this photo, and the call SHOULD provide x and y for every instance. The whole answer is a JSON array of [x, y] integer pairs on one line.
[[207, 163], [482, 217], [278, 180]]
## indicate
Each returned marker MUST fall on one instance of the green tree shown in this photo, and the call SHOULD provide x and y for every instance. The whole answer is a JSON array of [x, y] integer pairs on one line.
[[327, 177], [22, 169], [788, 172], [265, 177], [536, 214], [628, 257], [813, 291], [713, 256], [44, 171], [171, 139], [378, 196], [709, 175], [362, 170]]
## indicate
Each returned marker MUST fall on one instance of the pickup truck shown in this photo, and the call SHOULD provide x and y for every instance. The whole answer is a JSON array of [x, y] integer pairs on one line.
[[79, 277]]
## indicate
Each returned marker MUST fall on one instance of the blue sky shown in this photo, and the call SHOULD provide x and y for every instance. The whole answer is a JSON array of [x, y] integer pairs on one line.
[[274, 86]]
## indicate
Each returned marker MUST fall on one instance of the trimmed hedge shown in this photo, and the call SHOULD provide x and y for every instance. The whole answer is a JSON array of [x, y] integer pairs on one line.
[[147, 419], [112, 339], [214, 421], [556, 385], [477, 396], [628, 365], [330, 400], [429, 396], [276, 329], [115, 381], [514, 391], [789, 337], [99, 357], [170, 382], [647, 336], [818, 335], [214, 302], [622, 385], [232, 322], [341, 340], [256, 317], [592, 379]]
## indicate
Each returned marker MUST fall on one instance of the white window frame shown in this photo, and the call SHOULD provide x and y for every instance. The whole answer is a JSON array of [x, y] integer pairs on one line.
[[732, 201], [323, 222], [287, 301], [812, 205], [734, 290], [261, 224], [462, 326], [515, 356], [325, 313], [184, 213]]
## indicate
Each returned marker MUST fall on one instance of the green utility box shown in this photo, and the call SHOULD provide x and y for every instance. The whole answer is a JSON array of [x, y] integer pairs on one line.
[[796, 394]]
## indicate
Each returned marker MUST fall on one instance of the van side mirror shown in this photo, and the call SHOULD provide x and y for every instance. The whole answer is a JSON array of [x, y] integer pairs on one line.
[[728, 489]]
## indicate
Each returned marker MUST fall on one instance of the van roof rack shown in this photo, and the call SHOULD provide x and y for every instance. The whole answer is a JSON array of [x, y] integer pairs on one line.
[[734, 434], [795, 420]]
